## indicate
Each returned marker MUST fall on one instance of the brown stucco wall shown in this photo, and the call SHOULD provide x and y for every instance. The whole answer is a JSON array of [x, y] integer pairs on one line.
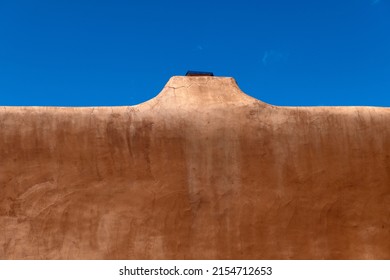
[[201, 171]]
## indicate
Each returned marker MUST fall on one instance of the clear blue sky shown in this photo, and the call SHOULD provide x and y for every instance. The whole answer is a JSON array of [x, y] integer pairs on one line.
[[111, 52]]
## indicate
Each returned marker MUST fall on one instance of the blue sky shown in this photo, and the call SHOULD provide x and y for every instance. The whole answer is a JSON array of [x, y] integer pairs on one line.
[[93, 53]]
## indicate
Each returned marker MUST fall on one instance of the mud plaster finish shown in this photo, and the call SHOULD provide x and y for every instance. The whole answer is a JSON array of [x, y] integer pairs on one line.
[[201, 171]]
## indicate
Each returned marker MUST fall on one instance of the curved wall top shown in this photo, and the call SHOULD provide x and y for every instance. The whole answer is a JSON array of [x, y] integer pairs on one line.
[[201, 171]]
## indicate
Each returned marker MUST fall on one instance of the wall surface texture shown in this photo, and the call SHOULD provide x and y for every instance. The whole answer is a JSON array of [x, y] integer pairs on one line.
[[201, 171]]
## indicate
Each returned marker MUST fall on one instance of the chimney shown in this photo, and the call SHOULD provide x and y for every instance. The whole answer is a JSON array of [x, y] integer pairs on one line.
[[199, 73]]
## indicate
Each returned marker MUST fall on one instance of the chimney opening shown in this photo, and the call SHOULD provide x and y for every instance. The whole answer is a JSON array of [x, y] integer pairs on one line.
[[199, 73]]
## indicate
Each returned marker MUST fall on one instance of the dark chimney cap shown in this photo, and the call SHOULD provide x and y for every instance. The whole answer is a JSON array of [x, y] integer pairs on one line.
[[199, 73]]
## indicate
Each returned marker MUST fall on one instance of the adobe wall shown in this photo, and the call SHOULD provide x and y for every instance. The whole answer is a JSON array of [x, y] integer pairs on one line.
[[201, 171]]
